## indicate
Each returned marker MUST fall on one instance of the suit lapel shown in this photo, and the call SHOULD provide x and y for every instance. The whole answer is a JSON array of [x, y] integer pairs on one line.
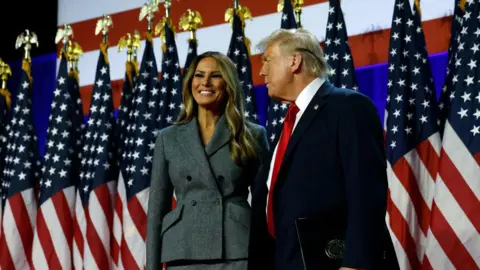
[[189, 139], [220, 137], [314, 107]]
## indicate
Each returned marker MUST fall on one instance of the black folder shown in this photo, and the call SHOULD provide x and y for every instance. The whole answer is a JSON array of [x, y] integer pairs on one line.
[[316, 239]]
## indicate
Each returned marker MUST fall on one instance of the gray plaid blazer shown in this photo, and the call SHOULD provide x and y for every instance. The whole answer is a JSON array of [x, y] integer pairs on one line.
[[212, 216]]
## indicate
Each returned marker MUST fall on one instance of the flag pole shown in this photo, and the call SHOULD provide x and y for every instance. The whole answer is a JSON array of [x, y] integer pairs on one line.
[[297, 5], [5, 72], [26, 40], [168, 5]]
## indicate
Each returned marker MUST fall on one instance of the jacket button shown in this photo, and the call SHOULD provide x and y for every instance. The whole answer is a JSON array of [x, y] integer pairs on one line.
[[189, 178], [217, 201], [221, 178], [193, 202]]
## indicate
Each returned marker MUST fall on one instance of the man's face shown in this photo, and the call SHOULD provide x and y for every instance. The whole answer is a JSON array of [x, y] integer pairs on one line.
[[277, 72]]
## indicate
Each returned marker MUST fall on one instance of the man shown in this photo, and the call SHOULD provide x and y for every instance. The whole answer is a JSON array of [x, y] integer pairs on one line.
[[327, 170]]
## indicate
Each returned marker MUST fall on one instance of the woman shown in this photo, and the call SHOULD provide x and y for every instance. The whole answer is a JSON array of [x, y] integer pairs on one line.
[[210, 158]]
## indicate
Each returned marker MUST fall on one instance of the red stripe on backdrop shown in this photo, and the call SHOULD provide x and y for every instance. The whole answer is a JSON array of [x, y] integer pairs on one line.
[[78, 238], [45, 239], [399, 227], [461, 191], [127, 21], [6, 261], [405, 175], [64, 214], [23, 224], [95, 244], [115, 251], [449, 241], [367, 49], [138, 216]]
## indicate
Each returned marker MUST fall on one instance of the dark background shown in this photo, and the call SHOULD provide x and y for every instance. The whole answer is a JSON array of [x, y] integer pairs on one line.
[[37, 16]]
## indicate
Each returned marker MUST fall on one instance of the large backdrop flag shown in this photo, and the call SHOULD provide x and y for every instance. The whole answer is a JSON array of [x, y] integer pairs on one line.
[[52, 243], [130, 220], [454, 237], [239, 53], [412, 138], [99, 171], [337, 49], [20, 178], [276, 110]]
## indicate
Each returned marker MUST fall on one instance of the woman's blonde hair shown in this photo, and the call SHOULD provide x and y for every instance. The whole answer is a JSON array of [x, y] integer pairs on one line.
[[291, 41], [242, 143]]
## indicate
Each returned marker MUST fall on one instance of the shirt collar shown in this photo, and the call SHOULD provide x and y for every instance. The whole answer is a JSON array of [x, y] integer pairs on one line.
[[308, 93]]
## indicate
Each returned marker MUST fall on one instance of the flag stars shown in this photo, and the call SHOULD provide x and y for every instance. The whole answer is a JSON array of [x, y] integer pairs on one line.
[[463, 113], [423, 119], [466, 96], [475, 130]]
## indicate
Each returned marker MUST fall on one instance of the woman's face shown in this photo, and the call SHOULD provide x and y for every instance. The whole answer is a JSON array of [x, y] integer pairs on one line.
[[208, 85]]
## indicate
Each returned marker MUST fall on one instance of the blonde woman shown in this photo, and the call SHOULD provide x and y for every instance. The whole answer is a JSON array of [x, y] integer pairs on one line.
[[210, 158]]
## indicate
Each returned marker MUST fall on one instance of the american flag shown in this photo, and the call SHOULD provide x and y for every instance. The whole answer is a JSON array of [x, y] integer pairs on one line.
[[124, 118], [125, 108], [171, 81], [19, 179], [239, 54], [4, 113], [337, 49], [192, 53], [412, 139], [445, 99], [130, 217], [95, 191], [454, 236], [276, 110], [53, 237]]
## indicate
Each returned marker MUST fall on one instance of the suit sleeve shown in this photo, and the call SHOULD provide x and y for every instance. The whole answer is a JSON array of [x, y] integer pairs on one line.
[[263, 147], [160, 203], [361, 152], [261, 244]]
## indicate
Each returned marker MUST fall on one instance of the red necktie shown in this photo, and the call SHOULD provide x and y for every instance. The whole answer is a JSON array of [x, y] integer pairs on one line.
[[288, 124]]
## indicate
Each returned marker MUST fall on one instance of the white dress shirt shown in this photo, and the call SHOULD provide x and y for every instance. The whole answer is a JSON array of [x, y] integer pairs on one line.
[[302, 102]]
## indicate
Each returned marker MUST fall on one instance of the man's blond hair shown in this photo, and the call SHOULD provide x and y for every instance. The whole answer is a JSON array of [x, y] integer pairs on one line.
[[301, 41]]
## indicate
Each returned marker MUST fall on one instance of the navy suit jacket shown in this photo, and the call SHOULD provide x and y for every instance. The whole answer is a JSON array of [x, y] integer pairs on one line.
[[334, 170]]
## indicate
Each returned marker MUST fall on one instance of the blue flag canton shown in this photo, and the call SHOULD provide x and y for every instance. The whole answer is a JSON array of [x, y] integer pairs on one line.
[[61, 167], [99, 165], [288, 16], [411, 101], [125, 108], [238, 53], [457, 29], [337, 49], [4, 123], [191, 54], [464, 114], [22, 160], [142, 126], [171, 81]]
